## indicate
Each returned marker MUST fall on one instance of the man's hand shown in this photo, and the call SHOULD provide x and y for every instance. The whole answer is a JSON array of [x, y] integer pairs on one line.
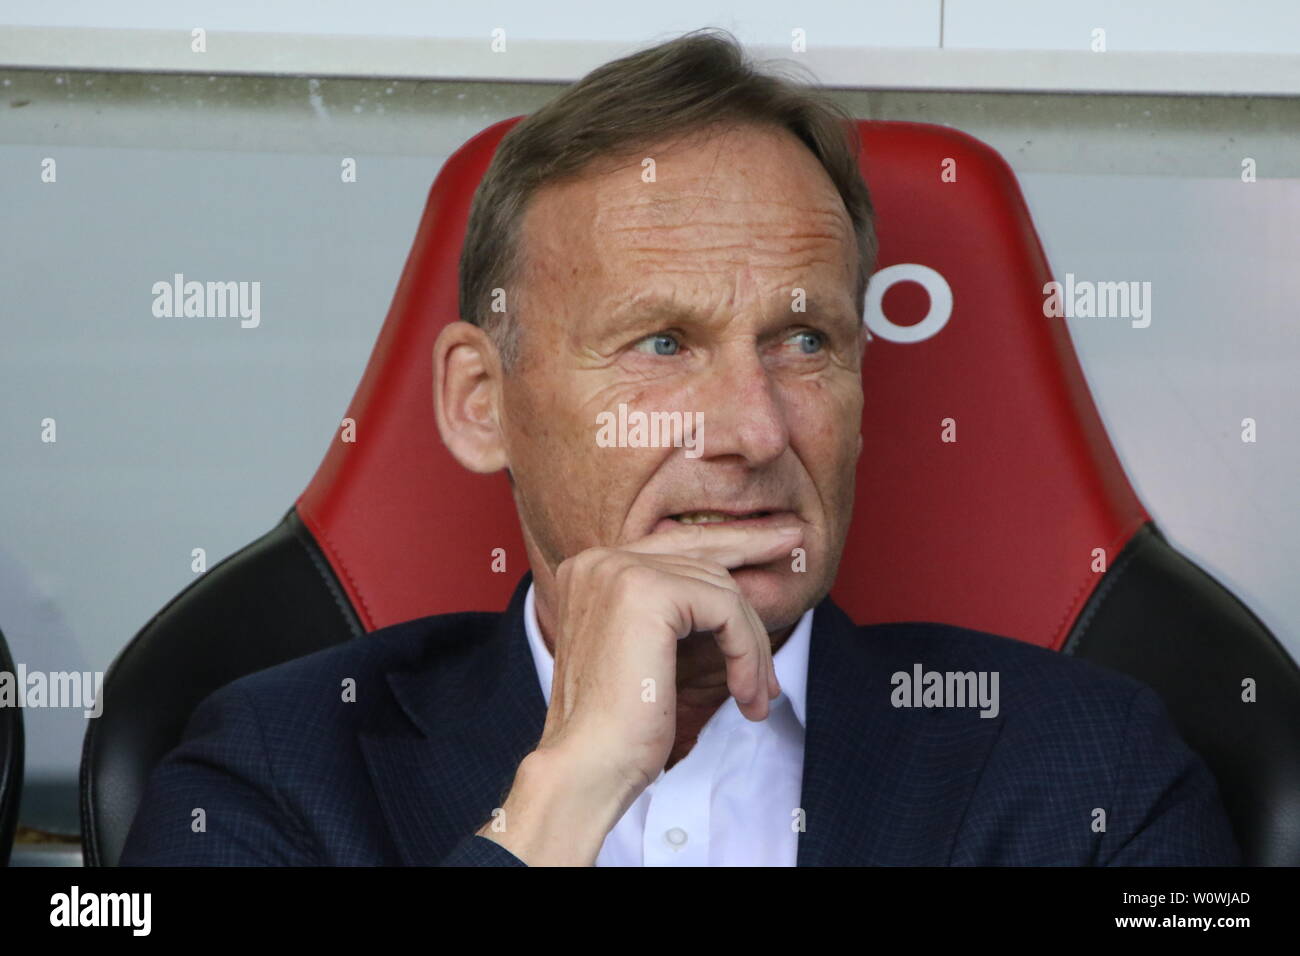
[[612, 719]]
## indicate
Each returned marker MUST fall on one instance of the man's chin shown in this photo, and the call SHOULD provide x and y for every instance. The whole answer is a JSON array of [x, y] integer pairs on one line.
[[779, 596]]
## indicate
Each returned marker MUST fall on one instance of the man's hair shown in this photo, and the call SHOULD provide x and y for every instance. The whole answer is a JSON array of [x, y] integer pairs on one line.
[[683, 86]]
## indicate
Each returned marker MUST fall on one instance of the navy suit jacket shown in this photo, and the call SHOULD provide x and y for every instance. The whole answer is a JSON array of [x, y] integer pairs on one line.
[[288, 772]]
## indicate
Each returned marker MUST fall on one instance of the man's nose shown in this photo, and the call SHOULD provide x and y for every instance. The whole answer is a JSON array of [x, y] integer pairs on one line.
[[744, 415]]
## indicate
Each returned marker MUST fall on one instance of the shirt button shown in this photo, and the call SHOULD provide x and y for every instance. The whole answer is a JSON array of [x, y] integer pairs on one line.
[[676, 838]]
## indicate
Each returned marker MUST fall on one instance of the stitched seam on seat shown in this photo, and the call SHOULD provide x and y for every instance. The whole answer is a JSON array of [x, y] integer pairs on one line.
[[1072, 608], [326, 544], [89, 829], [331, 585], [1090, 612]]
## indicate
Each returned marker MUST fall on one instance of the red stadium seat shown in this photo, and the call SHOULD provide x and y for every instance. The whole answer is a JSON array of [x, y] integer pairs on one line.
[[998, 531]]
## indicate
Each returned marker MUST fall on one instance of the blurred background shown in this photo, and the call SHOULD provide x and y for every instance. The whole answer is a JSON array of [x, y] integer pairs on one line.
[[174, 435]]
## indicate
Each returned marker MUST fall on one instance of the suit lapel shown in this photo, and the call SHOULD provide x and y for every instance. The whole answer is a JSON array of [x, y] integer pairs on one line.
[[882, 786], [478, 716]]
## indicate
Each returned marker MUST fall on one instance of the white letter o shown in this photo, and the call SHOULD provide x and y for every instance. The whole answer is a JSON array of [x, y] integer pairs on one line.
[[935, 285]]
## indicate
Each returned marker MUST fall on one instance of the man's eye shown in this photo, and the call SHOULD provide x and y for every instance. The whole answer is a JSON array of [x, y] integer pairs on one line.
[[661, 343], [808, 341]]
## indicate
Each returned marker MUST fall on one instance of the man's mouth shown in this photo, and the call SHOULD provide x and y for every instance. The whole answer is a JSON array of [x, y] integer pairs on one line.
[[756, 519], [773, 518], [715, 517]]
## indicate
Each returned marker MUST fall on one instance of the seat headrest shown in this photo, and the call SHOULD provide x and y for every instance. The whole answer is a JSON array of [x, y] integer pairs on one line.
[[994, 531]]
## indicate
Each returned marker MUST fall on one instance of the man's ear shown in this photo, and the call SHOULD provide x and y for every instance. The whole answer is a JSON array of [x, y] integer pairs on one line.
[[466, 393]]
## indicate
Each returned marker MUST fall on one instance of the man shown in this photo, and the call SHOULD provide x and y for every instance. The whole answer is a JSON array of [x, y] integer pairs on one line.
[[676, 235]]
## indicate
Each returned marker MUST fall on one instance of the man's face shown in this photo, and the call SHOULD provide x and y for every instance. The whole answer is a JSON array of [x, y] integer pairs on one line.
[[679, 295]]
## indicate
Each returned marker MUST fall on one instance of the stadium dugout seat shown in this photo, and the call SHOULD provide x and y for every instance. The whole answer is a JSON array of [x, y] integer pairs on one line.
[[1005, 530], [11, 763]]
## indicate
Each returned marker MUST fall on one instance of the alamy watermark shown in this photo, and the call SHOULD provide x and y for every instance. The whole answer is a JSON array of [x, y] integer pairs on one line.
[[1101, 300], [24, 688], [132, 910], [922, 688], [637, 429], [208, 300]]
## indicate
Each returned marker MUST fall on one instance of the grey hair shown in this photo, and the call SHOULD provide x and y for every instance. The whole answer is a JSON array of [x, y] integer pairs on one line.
[[687, 84]]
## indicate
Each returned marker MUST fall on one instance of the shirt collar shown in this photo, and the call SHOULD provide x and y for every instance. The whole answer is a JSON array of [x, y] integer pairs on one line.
[[790, 661]]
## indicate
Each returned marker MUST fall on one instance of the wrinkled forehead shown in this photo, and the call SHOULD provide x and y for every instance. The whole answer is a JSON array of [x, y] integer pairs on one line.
[[752, 191]]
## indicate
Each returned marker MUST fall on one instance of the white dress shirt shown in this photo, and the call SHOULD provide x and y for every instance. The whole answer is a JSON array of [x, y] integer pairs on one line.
[[732, 800]]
